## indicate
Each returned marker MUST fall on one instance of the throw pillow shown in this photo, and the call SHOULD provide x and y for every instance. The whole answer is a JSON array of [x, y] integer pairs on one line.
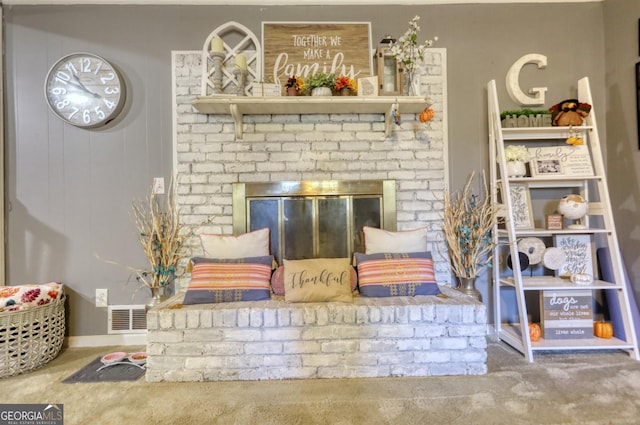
[[277, 280], [390, 275], [384, 241], [252, 244], [317, 279], [215, 280]]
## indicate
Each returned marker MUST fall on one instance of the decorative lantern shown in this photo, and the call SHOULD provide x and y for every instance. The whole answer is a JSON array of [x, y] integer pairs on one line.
[[389, 70]]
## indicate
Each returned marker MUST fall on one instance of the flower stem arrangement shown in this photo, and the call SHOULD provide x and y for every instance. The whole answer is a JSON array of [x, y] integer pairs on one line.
[[344, 82], [516, 153], [468, 221], [410, 53], [296, 83], [162, 237]]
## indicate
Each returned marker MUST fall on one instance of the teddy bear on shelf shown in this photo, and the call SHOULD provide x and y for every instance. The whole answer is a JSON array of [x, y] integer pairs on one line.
[[569, 112]]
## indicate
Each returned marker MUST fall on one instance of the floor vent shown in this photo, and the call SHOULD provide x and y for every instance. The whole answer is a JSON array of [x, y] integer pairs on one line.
[[127, 319]]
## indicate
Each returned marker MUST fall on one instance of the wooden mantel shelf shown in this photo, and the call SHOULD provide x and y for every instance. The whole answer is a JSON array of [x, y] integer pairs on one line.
[[238, 106]]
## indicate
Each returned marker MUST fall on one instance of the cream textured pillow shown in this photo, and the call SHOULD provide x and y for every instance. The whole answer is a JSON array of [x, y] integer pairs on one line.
[[378, 241], [317, 279], [253, 244]]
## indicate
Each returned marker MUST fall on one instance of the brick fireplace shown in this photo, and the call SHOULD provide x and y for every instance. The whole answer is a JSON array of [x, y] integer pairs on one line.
[[209, 159], [395, 336]]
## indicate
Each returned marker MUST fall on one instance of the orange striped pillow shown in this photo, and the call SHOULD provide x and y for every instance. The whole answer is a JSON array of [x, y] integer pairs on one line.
[[215, 280], [389, 275]]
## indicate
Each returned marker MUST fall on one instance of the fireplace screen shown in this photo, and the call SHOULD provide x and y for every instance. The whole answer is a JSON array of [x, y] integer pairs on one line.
[[319, 219]]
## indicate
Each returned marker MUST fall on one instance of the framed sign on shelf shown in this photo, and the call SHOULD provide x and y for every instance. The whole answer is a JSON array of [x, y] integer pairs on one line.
[[566, 314], [368, 86], [570, 161], [579, 250], [522, 214]]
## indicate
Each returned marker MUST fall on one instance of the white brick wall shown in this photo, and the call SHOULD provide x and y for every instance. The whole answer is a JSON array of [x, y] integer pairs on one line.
[[308, 147], [397, 336]]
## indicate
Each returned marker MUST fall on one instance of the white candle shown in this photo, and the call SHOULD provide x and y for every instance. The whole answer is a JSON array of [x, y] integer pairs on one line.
[[216, 45], [241, 61]]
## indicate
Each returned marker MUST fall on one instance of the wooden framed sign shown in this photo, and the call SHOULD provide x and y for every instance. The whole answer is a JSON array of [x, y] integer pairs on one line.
[[554, 222], [521, 214], [579, 250], [305, 48], [567, 314], [570, 161]]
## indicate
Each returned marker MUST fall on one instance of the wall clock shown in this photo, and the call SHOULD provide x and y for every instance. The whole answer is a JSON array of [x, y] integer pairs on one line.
[[84, 90]]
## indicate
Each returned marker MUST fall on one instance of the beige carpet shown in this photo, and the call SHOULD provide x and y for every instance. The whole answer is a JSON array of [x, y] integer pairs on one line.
[[559, 388]]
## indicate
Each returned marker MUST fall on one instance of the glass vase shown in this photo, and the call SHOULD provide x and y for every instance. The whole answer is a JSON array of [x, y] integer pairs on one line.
[[411, 84]]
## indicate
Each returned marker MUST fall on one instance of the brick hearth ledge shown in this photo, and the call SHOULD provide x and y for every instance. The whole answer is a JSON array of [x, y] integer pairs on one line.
[[373, 337]]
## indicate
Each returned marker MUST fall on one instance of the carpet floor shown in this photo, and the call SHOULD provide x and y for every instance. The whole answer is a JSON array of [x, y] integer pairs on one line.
[[559, 388]]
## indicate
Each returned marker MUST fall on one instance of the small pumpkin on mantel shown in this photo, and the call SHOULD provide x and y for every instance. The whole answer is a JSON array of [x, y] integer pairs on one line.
[[427, 115], [603, 329], [535, 332]]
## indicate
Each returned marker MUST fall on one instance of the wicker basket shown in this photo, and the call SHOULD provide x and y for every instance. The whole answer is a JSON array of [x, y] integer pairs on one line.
[[31, 337]]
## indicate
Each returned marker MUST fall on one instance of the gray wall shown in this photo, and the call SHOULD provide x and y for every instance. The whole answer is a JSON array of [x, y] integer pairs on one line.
[[70, 189], [621, 41]]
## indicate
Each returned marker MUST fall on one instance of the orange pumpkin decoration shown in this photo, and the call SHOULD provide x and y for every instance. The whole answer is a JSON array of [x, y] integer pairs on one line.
[[535, 332], [427, 115], [603, 329]]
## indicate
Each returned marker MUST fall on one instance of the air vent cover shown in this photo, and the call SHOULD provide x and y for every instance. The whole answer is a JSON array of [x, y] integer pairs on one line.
[[127, 319]]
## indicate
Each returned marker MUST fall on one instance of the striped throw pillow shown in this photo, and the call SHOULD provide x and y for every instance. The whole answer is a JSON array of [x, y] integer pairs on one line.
[[391, 275], [216, 280]]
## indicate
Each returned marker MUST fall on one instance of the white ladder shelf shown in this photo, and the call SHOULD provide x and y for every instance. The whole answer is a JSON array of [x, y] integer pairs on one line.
[[599, 222]]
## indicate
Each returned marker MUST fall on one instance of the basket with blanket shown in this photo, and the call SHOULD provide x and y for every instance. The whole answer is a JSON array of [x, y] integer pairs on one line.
[[32, 326]]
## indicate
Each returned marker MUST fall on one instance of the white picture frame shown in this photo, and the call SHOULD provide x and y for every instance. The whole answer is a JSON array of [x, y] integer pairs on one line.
[[546, 167], [579, 251], [521, 212], [565, 160]]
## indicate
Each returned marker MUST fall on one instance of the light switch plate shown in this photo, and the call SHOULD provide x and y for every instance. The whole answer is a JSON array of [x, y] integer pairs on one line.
[[102, 297], [158, 185]]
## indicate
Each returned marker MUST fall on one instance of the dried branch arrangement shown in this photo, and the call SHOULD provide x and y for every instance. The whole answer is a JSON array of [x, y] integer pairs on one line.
[[468, 221], [161, 235]]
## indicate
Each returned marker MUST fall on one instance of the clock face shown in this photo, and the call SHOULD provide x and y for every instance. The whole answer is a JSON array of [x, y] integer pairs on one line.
[[84, 90]]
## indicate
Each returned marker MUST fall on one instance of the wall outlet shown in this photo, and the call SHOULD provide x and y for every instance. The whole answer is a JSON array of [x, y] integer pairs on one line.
[[158, 185], [102, 297]]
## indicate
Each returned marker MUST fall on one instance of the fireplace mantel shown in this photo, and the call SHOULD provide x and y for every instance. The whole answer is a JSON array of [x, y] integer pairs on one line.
[[238, 106]]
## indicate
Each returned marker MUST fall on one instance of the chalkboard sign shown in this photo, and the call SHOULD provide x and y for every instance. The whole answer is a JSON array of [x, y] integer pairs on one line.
[[305, 48], [567, 314]]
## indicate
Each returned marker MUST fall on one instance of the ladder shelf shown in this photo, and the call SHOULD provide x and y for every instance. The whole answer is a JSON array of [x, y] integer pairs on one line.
[[514, 288]]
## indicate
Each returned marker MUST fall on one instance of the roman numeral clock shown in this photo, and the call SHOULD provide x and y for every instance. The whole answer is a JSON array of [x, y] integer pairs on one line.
[[84, 90]]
